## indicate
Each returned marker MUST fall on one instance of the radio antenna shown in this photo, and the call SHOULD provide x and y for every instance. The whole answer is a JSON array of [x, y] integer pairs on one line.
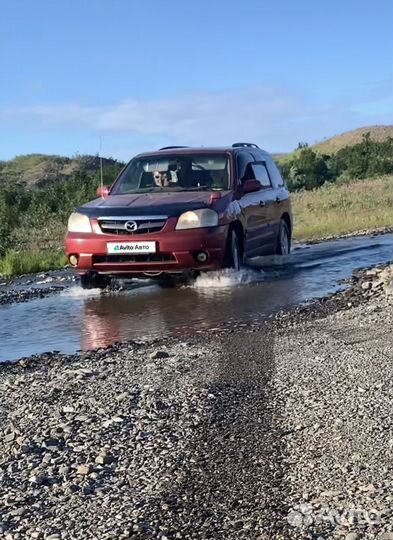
[[101, 175]]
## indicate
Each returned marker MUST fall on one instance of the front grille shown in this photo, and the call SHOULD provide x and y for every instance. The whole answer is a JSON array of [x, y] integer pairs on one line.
[[144, 225], [147, 257]]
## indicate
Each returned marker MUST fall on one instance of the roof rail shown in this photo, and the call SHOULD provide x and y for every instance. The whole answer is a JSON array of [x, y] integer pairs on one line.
[[172, 147], [244, 145]]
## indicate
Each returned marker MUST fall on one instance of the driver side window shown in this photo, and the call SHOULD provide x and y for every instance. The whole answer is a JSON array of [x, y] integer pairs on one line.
[[244, 161]]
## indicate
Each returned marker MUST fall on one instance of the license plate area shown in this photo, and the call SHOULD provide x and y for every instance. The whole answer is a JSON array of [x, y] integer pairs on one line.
[[131, 248]]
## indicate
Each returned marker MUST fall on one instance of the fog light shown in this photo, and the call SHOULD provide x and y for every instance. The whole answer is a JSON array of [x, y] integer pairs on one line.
[[202, 256], [73, 260]]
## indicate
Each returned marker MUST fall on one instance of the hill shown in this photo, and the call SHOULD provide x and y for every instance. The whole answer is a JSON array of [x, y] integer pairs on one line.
[[40, 170], [334, 144]]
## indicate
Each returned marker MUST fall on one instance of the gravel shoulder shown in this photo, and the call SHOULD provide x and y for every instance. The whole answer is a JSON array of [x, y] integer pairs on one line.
[[280, 432]]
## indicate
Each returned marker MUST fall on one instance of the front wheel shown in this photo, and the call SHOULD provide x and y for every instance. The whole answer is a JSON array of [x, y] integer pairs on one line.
[[233, 256], [283, 246], [92, 280]]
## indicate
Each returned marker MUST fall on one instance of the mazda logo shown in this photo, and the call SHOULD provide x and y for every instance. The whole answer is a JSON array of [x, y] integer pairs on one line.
[[131, 226]]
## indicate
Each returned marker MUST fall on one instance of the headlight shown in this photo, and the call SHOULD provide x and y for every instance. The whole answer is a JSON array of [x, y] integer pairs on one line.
[[79, 223], [194, 219]]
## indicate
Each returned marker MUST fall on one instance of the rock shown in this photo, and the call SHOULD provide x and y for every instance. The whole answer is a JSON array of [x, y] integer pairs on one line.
[[122, 396], [389, 289], [64, 469], [53, 444], [331, 493], [68, 409], [39, 479], [18, 512], [366, 285], [103, 459], [158, 354], [83, 470], [352, 536], [9, 437], [47, 458], [117, 419]]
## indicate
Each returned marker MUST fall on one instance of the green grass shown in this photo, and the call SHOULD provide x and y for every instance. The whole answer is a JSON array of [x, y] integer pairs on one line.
[[15, 263], [341, 209]]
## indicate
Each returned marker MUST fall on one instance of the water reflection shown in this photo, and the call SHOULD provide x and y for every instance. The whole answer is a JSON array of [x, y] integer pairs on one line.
[[174, 312]]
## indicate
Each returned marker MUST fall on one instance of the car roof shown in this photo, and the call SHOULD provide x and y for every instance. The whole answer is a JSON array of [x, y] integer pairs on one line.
[[187, 150]]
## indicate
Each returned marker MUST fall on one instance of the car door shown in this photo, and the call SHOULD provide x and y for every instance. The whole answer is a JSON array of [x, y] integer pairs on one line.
[[253, 208], [266, 208], [281, 195]]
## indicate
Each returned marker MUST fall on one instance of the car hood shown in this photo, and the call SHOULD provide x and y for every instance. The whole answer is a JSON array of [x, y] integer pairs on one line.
[[169, 204]]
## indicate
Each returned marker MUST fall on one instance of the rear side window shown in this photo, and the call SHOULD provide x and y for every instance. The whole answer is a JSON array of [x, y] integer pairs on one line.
[[260, 173], [275, 174]]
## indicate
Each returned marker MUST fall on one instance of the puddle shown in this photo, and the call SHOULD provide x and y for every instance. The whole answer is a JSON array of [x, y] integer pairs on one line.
[[78, 319]]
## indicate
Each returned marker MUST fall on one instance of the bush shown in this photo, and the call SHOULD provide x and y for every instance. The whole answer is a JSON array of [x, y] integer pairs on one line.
[[309, 170], [5, 228]]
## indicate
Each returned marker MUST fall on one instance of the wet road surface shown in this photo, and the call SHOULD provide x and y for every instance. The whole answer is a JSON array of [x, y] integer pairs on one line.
[[80, 320]]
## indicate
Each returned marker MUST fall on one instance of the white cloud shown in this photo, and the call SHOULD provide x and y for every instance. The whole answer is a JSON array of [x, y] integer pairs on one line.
[[275, 118]]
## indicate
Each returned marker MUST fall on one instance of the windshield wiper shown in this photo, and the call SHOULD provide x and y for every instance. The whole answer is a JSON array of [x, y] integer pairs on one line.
[[199, 188], [140, 191]]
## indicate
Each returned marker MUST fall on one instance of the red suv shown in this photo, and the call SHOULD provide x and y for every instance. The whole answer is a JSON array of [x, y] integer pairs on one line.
[[182, 209]]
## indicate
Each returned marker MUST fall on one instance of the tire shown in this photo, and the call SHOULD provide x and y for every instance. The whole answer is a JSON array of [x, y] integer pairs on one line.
[[92, 280], [233, 256], [283, 246]]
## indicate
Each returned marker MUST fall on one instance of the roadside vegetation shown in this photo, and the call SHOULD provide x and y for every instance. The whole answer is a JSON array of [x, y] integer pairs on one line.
[[15, 263], [33, 221], [334, 209], [344, 192], [307, 169]]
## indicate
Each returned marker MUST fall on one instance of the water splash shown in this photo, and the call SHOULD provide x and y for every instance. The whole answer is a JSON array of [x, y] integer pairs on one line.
[[77, 292], [227, 278]]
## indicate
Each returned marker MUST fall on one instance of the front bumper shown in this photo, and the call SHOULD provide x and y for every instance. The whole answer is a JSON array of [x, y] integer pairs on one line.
[[176, 251]]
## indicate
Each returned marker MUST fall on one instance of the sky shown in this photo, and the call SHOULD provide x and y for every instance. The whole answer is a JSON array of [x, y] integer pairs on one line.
[[123, 76]]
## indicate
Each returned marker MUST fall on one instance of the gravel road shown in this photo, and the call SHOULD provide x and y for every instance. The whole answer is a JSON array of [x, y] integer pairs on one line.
[[282, 432]]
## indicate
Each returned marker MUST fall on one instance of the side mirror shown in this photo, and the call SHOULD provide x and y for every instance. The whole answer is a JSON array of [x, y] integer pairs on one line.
[[103, 191], [249, 186]]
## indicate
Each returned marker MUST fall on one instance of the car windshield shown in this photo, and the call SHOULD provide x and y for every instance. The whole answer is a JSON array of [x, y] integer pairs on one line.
[[174, 172]]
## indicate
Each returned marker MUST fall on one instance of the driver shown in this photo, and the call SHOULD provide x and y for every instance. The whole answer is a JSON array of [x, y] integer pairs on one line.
[[161, 179]]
